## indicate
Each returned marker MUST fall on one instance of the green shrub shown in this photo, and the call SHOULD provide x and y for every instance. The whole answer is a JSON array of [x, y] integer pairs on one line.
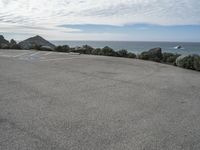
[[16, 46], [97, 51], [107, 51], [197, 62], [170, 58], [64, 48], [189, 62], [131, 55], [87, 49], [4, 46], [154, 54], [122, 53], [144, 56]]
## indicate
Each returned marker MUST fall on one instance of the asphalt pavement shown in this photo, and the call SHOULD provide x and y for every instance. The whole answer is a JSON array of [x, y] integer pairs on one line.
[[61, 101]]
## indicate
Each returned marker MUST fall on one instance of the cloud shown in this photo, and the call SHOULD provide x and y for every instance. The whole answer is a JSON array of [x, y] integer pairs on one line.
[[48, 16]]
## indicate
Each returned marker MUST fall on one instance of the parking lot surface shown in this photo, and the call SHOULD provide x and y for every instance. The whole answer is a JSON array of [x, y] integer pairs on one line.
[[61, 101]]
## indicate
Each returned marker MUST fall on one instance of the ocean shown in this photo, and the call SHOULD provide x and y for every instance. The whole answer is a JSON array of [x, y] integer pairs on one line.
[[138, 47]]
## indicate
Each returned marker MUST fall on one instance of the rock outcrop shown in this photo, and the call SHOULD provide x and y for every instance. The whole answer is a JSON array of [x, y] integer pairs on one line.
[[13, 44], [35, 42], [3, 42]]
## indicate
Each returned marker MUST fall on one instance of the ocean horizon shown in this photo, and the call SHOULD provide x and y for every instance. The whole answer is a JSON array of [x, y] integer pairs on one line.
[[138, 46]]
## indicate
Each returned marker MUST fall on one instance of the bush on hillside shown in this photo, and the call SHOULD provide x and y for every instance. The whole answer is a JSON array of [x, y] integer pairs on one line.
[[97, 51], [16, 46], [189, 62], [131, 55], [87, 49], [107, 51], [154, 54], [4, 46], [170, 58], [122, 53], [144, 56], [64, 48]]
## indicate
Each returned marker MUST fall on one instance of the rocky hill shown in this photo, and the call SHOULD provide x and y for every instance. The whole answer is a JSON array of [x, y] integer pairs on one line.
[[3, 42], [35, 42]]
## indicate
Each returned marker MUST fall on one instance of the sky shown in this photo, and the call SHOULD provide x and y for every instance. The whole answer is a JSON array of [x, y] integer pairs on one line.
[[107, 20]]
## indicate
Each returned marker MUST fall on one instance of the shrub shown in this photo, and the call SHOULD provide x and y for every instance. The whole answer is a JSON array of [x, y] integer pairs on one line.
[[97, 51], [154, 54], [4, 46], [13, 44], [197, 62], [107, 51], [64, 48], [144, 56], [170, 58], [131, 55], [122, 53], [189, 62], [16, 46], [87, 49]]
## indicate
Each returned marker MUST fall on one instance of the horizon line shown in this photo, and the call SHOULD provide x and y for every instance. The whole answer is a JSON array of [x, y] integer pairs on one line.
[[125, 41]]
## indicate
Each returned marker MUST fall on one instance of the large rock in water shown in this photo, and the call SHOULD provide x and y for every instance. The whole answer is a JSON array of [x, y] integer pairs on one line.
[[35, 42], [154, 54], [3, 42]]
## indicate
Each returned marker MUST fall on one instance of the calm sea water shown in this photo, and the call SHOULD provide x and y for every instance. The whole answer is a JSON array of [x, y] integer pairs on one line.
[[138, 47]]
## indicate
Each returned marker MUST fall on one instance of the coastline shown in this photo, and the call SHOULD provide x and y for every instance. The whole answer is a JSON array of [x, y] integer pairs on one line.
[[137, 46], [157, 54]]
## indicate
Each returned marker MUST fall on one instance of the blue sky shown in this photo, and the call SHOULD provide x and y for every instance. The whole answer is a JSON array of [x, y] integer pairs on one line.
[[145, 32], [113, 20]]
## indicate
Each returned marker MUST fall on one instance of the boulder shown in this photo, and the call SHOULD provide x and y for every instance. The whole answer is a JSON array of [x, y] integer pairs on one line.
[[189, 62], [156, 53], [35, 42], [46, 48]]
